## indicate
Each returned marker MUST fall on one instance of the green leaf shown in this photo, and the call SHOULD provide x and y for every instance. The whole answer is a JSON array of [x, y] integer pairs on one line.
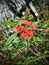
[[36, 22], [42, 56], [45, 26], [27, 27], [9, 23], [11, 38], [16, 41], [24, 17], [19, 22], [38, 39]]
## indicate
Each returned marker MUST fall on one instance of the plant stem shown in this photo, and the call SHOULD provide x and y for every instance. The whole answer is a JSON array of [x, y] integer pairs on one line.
[[27, 46]]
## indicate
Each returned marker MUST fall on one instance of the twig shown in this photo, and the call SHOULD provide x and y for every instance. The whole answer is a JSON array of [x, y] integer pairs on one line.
[[32, 52]]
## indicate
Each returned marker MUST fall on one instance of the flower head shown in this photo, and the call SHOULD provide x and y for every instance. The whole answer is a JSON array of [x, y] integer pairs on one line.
[[30, 35], [1, 42], [19, 29], [25, 22], [27, 34], [47, 30], [30, 23], [35, 27]]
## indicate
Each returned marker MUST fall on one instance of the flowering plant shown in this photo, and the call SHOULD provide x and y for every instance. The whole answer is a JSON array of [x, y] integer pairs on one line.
[[29, 43]]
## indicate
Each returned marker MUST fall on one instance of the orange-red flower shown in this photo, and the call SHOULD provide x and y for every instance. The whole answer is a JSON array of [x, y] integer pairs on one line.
[[27, 34], [19, 29], [35, 27], [24, 32], [1, 42], [25, 22], [29, 23], [47, 30]]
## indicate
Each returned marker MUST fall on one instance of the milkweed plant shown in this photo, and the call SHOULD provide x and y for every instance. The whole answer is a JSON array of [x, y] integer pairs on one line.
[[29, 43]]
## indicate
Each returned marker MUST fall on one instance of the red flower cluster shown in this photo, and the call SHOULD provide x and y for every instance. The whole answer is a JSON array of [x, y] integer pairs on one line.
[[27, 34], [26, 22], [24, 32], [29, 23], [19, 29]]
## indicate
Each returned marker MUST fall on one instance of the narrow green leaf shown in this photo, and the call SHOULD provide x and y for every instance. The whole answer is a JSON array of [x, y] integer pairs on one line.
[[9, 23], [38, 39], [11, 38]]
